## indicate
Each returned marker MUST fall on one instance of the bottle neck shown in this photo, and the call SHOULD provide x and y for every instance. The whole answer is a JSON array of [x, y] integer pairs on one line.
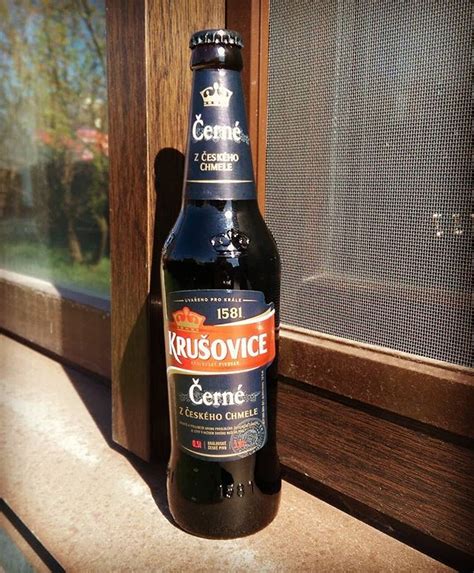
[[218, 158]]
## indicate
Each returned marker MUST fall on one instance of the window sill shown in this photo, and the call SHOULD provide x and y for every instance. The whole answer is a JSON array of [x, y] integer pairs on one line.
[[93, 508], [66, 323]]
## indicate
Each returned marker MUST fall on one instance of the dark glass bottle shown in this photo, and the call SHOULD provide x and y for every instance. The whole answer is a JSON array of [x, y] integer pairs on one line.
[[220, 284]]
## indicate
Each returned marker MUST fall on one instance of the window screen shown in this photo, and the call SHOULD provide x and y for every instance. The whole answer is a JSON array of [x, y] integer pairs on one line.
[[368, 170]]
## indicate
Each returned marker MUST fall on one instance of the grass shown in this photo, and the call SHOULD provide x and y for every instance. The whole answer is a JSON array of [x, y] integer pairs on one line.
[[54, 264]]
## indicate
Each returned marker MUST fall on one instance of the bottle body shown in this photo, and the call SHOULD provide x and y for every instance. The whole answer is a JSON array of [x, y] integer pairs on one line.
[[220, 286]]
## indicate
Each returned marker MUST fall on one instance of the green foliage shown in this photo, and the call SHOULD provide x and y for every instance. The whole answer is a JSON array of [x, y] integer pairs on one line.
[[54, 264], [53, 126]]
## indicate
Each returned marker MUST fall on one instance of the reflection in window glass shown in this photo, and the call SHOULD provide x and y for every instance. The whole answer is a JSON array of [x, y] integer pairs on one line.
[[54, 143]]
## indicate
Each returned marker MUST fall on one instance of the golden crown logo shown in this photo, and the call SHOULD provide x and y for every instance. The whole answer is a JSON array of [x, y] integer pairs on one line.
[[216, 96], [186, 318]]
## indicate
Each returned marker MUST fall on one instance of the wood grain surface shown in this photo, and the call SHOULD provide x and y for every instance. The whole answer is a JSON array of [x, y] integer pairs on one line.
[[432, 392], [405, 474], [68, 324], [263, 103], [149, 84], [250, 19], [129, 222], [169, 81], [244, 17]]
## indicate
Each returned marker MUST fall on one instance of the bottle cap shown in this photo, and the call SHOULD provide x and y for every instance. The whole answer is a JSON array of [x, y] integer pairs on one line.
[[217, 36]]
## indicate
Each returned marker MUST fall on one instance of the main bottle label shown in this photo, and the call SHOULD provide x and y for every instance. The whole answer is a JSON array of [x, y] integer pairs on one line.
[[219, 162], [219, 345]]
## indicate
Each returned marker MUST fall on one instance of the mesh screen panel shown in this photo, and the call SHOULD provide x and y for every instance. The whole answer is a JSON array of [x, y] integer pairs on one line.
[[368, 170]]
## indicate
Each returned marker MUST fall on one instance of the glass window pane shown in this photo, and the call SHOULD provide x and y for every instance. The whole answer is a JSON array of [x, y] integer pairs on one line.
[[54, 142]]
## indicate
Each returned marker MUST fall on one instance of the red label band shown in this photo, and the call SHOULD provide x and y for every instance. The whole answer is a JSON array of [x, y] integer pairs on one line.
[[224, 348]]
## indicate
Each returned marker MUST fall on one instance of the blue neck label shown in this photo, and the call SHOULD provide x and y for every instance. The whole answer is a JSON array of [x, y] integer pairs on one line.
[[218, 161]]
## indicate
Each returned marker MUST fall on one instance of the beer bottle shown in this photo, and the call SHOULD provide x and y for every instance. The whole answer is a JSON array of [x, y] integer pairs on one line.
[[220, 282]]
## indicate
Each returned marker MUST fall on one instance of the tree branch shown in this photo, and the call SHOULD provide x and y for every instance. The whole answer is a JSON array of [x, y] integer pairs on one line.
[[86, 15]]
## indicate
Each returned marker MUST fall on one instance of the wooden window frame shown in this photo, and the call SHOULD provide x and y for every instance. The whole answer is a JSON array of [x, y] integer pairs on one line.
[[426, 390], [149, 77], [345, 391], [70, 325], [349, 411], [432, 392]]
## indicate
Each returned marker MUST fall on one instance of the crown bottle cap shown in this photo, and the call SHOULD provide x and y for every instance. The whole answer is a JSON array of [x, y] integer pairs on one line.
[[216, 36]]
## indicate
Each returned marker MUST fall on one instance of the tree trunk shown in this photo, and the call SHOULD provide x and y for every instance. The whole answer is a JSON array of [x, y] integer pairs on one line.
[[72, 239], [73, 242], [104, 233]]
